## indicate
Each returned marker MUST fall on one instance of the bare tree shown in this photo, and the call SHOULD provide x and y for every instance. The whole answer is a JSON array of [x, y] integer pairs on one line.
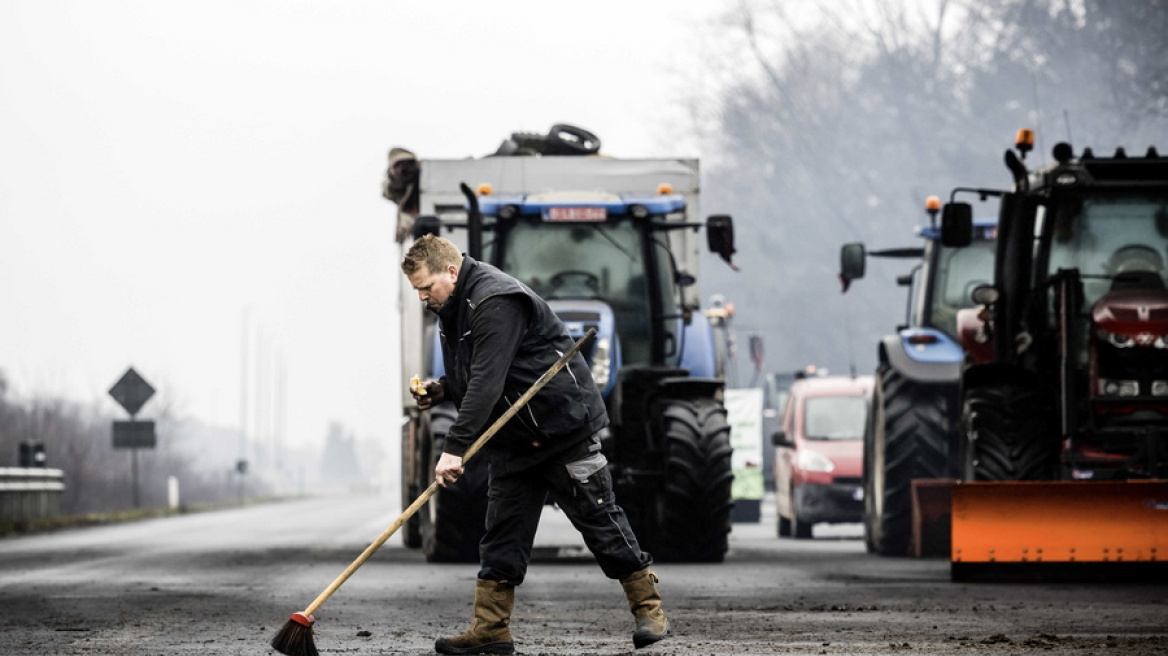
[[831, 122]]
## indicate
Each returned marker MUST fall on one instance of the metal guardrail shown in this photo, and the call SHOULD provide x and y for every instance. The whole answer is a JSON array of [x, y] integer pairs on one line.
[[28, 493]]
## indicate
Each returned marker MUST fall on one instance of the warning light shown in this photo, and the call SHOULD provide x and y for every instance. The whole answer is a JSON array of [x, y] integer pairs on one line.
[[1024, 142]]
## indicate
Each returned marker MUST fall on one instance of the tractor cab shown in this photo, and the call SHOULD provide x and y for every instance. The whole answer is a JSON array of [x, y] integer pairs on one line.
[[604, 261]]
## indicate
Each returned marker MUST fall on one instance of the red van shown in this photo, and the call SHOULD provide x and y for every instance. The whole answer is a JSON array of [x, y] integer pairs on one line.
[[819, 453]]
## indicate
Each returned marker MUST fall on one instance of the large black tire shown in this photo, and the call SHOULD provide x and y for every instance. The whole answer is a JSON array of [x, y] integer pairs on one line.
[[1008, 435], [411, 530], [453, 522], [694, 505], [910, 430]]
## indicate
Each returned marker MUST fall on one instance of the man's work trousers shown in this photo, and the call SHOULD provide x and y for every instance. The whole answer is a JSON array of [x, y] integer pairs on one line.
[[580, 483]]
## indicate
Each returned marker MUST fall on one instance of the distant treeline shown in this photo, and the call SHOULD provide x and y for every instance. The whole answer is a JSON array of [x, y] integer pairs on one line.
[[825, 122], [78, 440]]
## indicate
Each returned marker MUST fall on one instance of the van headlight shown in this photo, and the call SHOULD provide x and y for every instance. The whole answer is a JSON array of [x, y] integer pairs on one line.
[[813, 461]]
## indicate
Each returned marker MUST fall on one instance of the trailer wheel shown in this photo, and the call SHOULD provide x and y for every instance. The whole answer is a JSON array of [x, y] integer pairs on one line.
[[454, 520], [411, 530], [1007, 437], [908, 436], [695, 503]]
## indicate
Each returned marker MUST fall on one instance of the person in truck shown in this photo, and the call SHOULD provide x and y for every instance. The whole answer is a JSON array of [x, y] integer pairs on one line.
[[498, 337]]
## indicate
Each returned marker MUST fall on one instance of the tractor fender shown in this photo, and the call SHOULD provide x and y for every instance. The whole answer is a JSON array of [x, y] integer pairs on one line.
[[698, 353], [924, 355], [997, 374], [687, 387]]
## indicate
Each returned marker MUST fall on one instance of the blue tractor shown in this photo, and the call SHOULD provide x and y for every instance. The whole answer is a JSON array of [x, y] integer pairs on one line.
[[912, 426], [622, 262]]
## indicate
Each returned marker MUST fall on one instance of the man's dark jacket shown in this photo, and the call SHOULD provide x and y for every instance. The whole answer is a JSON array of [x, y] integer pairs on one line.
[[569, 408]]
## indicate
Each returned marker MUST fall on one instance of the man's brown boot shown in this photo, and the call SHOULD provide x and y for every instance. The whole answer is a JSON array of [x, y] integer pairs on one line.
[[490, 631], [645, 602]]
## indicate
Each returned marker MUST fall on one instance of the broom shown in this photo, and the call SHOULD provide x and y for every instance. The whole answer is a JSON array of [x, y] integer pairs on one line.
[[295, 637]]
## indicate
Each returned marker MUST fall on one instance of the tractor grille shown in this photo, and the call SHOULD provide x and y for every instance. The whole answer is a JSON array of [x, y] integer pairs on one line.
[[578, 322], [569, 315]]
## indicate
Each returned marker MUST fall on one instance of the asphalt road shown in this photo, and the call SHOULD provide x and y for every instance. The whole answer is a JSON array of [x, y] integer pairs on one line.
[[222, 583]]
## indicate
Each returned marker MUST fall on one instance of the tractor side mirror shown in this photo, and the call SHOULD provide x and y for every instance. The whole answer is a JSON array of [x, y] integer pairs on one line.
[[427, 225], [852, 261], [957, 225], [720, 236]]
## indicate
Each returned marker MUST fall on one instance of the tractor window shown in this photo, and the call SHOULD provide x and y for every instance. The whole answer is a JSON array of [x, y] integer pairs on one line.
[[1106, 236], [959, 271], [835, 417]]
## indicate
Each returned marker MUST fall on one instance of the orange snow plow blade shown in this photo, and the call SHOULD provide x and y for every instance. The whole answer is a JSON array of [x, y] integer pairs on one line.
[[1035, 529]]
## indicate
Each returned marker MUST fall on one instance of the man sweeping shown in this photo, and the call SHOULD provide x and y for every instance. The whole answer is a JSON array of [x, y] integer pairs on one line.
[[498, 337]]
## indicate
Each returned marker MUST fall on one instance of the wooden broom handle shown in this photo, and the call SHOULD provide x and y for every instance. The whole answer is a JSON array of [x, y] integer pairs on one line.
[[430, 491]]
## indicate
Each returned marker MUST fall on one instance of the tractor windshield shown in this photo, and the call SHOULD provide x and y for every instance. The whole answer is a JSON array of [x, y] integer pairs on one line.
[[958, 272], [1109, 236], [601, 261]]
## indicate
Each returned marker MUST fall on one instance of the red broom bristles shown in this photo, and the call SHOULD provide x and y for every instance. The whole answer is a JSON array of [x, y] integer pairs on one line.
[[295, 637]]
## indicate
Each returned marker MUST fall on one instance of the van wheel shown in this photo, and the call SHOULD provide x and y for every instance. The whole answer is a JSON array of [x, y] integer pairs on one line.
[[784, 527], [800, 529]]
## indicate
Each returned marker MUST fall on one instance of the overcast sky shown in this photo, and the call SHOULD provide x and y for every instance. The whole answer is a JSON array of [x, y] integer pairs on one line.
[[169, 168]]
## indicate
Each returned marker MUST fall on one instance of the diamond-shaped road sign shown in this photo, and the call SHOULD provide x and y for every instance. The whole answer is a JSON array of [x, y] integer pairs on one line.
[[131, 391]]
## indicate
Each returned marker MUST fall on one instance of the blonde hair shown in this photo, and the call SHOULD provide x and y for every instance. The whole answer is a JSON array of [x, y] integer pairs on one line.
[[435, 252]]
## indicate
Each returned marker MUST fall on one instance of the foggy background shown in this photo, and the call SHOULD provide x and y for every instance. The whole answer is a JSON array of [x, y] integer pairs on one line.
[[242, 145]]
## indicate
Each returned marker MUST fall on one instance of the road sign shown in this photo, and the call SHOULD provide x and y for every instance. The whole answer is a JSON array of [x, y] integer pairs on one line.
[[134, 435], [131, 391]]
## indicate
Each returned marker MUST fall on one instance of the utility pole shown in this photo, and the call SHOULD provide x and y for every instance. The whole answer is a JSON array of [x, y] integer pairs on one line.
[[241, 463]]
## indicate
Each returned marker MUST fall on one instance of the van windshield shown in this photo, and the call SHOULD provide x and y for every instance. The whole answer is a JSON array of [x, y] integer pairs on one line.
[[835, 417]]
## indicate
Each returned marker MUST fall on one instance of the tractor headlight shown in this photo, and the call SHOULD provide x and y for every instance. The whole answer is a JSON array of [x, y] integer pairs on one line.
[[1160, 388], [602, 363], [1117, 340], [1161, 342], [813, 461], [1116, 387]]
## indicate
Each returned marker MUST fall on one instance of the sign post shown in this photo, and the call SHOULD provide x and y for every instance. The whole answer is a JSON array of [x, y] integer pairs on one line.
[[132, 392]]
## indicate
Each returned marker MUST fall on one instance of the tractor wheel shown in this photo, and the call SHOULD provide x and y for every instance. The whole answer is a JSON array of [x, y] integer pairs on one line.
[[908, 436], [1007, 436], [454, 520], [411, 530], [694, 505]]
